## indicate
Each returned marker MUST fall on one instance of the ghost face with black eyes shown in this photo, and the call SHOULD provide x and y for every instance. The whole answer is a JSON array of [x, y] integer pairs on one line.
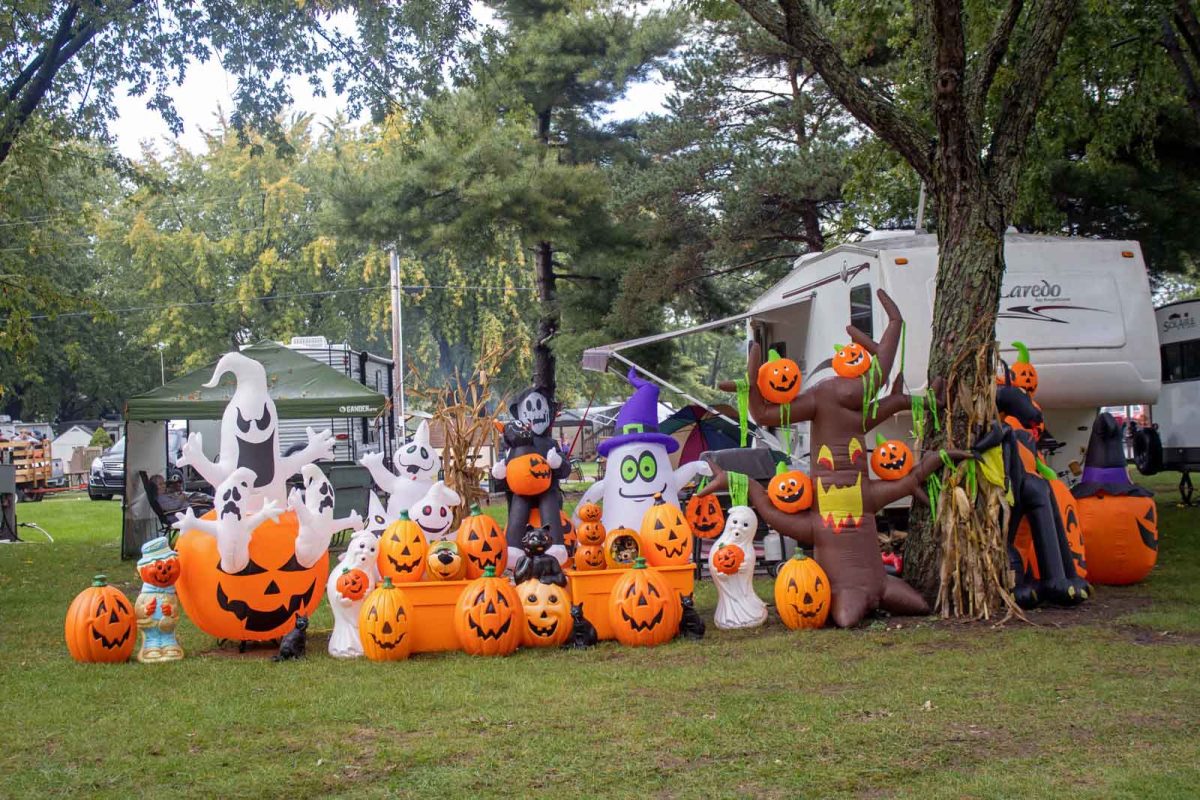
[[635, 473], [534, 410]]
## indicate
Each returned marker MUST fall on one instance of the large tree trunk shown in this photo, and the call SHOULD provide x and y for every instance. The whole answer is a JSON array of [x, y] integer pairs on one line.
[[548, 319]]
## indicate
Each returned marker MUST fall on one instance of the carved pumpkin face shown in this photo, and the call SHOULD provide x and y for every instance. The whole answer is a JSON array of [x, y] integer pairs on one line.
[[383, 623], [1024, 376], [445, 563], [802, 595], [666, 537], [728, 559], [488, 618], [1122, 537], [779, 380], [402, 551], [590, 557], [547, 613], [528, 475], [1068, 511], [705, 516], [892, 460], [352, 584], [643, 607], [482, 544], [100, 625], [589, 512], [162, 573], [791, 492], [621, 548], [590, 533], [851, 361], [262, 600]]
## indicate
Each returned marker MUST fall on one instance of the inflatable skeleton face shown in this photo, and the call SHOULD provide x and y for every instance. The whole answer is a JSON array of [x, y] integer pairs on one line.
[[434, 513], [249, 423], [417, 460], [535, 409], [635, 473]]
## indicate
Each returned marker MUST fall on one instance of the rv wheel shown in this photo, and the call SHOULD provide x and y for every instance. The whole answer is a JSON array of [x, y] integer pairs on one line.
[[1147, 451]]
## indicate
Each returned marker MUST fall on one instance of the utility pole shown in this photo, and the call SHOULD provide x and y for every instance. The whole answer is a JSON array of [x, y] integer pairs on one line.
[[398, 341]]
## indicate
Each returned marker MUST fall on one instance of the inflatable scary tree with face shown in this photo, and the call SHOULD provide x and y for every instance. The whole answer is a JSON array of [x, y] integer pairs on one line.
[[840, 525]]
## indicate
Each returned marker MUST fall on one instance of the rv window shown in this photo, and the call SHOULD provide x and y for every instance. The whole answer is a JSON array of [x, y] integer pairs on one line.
[[861, 314], [1181, 361]]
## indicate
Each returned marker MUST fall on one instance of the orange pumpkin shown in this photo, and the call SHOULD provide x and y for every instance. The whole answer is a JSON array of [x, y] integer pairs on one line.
[[1024, 373], [590, 557], [643, 608], [262, 600], [1122, 537], [705, 516], [851, 361], [728, 559], [591, 529], [621, 548], [802, 595], [163, 572], [384, 622], [791, 492], [528, 475], [892, 459], [488, 619], [352, 584], [547, 608], [666, 537], [100, 625], [482, 543], [778, 379], [402, 551]]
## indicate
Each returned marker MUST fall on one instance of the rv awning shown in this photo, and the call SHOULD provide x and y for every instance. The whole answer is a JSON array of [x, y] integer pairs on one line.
[[301, 387]]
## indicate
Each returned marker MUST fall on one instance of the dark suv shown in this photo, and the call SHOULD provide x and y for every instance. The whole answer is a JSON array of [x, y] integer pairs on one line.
[[107, 476]]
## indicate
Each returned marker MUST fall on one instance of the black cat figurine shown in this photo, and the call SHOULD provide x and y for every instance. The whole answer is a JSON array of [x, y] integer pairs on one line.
[[691, 626], [583, 633], [535, 563], [292, 644]]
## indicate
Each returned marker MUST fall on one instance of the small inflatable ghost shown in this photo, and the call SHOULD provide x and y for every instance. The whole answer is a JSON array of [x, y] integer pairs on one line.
[[417, 464], [234, 522], [362, 554], [737, 604], [434, 513], [248, 436], [377, 520], [314, 512], [639, 465]]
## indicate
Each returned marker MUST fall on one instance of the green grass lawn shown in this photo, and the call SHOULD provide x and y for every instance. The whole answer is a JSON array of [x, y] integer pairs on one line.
[[1097, 702]]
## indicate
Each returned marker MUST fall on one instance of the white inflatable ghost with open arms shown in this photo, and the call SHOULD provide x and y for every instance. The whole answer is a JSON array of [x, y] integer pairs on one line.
[[314, 511], [417, 465], [234, 522]]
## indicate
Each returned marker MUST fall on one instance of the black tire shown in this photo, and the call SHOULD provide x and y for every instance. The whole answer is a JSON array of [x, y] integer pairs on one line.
[[1147, 451], [98, 496]]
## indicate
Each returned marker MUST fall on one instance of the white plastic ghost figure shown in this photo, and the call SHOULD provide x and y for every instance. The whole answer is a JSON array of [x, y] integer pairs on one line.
[[248, 436], [234, 522], [314, 511], [737, 604], [377, 520], [635, 473], [362, 553], [417, 464], [434, 513]]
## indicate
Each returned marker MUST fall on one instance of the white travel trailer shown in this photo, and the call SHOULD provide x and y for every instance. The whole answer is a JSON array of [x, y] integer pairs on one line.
[[1174, 441], [1081, 305]]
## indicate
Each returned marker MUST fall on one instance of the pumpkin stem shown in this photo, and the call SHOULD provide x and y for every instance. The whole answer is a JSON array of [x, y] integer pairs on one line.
[[799, 555], [489, 571], [639, 563], [387, 582], [100, 580], [404, 514], [658, 499], [475, 510], [879, 440], [772, 355], [837, 348], [1022, 352]]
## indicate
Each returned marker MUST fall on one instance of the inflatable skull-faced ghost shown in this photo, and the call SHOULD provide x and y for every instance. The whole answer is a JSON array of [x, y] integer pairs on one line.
[[377, 520], [248, 437], [361, 554], [434, 513], [639, 464], [314, 512], [417, 466], [737, 604], [235, 522]]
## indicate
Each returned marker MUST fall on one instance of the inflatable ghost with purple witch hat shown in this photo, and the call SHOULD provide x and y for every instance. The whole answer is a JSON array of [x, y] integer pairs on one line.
[[639, 464]]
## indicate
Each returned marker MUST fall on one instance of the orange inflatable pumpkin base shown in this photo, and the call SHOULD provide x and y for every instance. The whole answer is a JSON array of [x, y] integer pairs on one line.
[[1122, 537]]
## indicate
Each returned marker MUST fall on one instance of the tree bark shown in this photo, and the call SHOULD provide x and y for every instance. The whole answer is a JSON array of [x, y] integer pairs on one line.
[[1186, 75], [548, 320]]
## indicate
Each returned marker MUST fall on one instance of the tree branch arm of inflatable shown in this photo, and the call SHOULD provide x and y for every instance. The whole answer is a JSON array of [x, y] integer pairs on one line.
[[880, 493], [898, 402], [885, 351], [795, 526], [803, 408]]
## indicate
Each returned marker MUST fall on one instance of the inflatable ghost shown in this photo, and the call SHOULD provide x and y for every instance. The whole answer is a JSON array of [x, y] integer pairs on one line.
[[248, 437], [314, 512], [737, 604], [434, 513], [377, 520], [361, 554], [234, 522], [417, 466], [639, 465]]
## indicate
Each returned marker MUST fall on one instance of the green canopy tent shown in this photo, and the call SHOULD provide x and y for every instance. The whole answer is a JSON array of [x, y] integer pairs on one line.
[[304, 390]]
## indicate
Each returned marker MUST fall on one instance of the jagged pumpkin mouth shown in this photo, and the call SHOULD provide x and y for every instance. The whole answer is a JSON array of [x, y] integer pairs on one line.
[[545, 632], [493, 633], [640, 625], [259, 621]]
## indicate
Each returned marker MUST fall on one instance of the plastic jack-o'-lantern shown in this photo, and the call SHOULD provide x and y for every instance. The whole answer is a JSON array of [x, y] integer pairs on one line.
[[488, 618], [778, 379], [643, 608], [851, 361], [402, 551], [621, 548], [547, 613], [705, 516], [591, 529], [791, 492], [528, 475], [891, 459], [1072, 525], [444, 562], [100, 624], [162, 573], [259, 602], [1024, 373], [352, 584], [728, 559], [384, 622], [666, 537], [482, 544], [590, 557], [802, 593]]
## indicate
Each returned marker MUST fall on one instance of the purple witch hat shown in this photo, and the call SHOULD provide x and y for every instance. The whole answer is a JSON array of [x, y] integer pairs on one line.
[[637, 421]]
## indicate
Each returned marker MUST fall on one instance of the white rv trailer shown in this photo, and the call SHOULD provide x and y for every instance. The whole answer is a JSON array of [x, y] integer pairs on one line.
[[1176, 415], [1081, 305]]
